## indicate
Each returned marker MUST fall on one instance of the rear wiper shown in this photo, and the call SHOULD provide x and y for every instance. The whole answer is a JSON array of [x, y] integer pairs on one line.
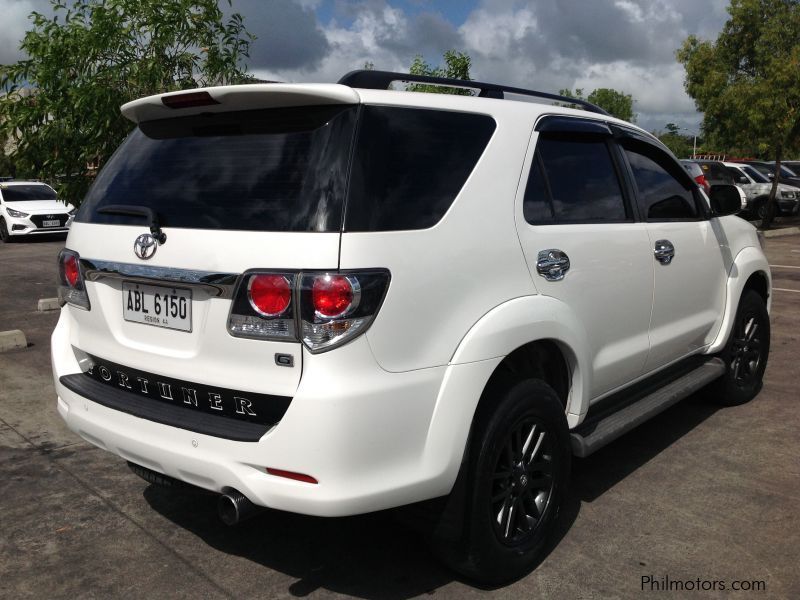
[[132, 210]]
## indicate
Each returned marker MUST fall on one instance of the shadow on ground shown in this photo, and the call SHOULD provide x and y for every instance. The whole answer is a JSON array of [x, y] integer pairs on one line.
[[379, 555], [39, 238]]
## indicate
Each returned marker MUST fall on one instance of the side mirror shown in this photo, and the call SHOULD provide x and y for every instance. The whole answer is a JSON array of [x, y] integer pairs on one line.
[[725, 200]]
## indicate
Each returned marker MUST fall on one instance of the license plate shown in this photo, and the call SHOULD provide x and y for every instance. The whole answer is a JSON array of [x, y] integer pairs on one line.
[[157, 305], [54, 223]]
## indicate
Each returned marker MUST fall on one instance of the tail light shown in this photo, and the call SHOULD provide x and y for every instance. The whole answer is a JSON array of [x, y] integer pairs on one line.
[[703, 182], [263, 307], [323, 310], [337, 307], [71, 288]]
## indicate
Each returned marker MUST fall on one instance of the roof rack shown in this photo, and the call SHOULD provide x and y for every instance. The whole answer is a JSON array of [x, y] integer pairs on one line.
[[381, 80]]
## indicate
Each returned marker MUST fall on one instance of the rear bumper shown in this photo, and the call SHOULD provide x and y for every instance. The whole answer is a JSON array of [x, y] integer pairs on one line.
[[364, 434]]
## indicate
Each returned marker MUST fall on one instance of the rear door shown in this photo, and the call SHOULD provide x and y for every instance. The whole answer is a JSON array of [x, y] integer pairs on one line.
[[232, 192], [576, 210]]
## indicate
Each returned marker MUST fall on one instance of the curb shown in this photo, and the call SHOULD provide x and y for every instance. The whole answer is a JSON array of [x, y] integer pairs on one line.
[[770, 233], [11, 340], [48, 304]]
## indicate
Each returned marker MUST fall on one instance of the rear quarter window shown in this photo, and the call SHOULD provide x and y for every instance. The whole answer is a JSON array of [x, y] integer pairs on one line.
[[410, 164]]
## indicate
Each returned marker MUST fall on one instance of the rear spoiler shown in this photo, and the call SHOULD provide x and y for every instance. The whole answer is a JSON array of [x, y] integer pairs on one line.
[[237, 97]]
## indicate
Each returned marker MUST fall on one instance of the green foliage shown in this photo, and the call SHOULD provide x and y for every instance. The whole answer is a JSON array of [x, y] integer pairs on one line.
[[681, 144], [747, 82], [7, 167], [456, 66], [62, 108], [616, 103]]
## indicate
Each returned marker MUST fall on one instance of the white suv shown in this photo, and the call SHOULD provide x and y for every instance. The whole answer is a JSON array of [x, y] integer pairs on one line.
[[337, 299]]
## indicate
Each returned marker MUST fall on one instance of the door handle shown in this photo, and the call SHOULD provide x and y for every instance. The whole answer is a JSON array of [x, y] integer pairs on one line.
[[552, 264], [664, 251]]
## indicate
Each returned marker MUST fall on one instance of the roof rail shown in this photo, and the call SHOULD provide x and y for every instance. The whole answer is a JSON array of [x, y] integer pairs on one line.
[[380, 80]]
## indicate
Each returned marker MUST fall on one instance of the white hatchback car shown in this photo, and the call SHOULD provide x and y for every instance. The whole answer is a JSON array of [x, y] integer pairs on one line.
[[337, 299], [31, 208]]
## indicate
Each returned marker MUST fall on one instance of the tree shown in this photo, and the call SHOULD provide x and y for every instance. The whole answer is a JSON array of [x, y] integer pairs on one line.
[[616, 103], [91, 56], [747, 81], [681, 144], [456, 66]]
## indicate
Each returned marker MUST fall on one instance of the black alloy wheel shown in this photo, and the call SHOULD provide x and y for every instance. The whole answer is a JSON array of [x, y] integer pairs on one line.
[[504, 506], [747, 348], [746, 353], [522, 484]]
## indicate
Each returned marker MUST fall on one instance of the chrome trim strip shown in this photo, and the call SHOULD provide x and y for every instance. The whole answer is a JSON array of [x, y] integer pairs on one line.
[[220, 285]]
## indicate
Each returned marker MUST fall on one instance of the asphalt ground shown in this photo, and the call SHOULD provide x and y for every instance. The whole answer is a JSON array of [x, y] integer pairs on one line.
[[700, 495]]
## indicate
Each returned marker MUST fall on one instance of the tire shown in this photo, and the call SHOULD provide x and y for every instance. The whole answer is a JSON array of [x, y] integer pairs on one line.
[[514, 477], [745, 354], [757, 209], [4, 235]]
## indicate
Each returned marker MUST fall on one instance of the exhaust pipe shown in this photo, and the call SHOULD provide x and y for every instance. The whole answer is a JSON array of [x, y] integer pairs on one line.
[[234, 507]]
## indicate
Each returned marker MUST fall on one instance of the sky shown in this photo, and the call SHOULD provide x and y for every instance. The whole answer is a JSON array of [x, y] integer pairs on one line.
[[546, 45]]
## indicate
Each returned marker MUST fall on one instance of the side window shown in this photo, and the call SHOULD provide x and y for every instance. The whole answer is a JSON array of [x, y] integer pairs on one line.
[[573, 179], [664, 190], [737, 175], [410, 164]]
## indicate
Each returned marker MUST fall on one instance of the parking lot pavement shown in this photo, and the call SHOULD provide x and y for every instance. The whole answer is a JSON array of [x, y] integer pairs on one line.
[[699, 493]]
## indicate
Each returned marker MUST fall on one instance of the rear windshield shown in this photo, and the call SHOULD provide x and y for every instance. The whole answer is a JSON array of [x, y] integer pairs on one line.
[[273, 170], [20, 193], [294, 169]]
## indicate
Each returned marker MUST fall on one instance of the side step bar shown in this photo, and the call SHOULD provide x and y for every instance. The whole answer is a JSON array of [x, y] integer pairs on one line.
[[592, 435]]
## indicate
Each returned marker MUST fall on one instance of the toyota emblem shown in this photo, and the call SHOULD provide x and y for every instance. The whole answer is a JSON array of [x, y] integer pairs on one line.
[[145, 246]]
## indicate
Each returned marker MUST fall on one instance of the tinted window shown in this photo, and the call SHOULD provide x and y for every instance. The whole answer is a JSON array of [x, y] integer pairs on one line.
[[716, 172], [738, 176], [21, 193], [665, 192], [754, 175], [410, 165], [573, 179], [692, 168], [763, 169], [272, 170]]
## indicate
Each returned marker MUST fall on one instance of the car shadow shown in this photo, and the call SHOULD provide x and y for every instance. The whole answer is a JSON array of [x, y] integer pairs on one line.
[[40, 238], [367, 556], [379, 555], [596, 474]]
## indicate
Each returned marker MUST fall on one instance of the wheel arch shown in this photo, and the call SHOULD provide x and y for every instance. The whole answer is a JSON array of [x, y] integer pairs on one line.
[[749, 271], [535, 335]]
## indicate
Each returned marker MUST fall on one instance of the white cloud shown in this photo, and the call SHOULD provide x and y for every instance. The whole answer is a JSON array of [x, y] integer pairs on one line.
[[543, 44], [494, 35], [14, 24]]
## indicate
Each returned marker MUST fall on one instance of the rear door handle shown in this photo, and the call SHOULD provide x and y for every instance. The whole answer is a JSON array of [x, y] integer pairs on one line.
[[664, 251], [552, 264]]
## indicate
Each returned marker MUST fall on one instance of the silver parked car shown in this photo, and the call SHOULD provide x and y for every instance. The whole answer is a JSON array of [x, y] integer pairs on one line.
[[757, 188]]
